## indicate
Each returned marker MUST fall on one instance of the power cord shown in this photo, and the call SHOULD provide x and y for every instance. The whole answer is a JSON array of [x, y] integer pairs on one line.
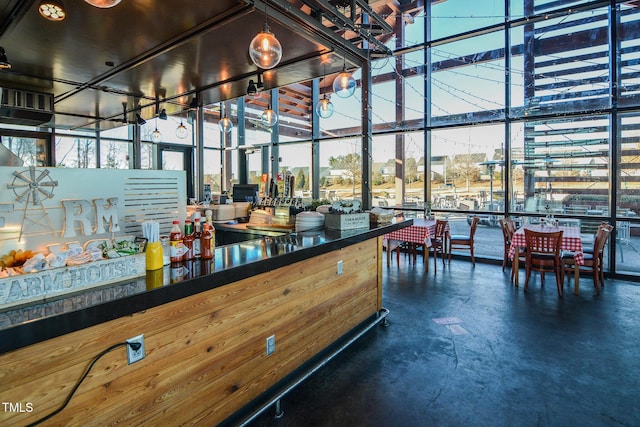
[[134, 346]]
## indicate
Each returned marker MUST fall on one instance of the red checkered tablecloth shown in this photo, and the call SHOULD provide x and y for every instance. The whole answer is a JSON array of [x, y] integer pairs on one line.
[[420, 232], [571, 240]]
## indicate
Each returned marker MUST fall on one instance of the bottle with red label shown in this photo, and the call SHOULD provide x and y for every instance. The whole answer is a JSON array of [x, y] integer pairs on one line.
[[207, 242], [188, 240], [176, 243], [197, 235]]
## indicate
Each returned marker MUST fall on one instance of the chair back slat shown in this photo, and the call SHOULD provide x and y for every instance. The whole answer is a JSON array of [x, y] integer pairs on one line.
[[474, 225], [601, 240], [441, 226], [543, 242], [505, 231], [511, 227]]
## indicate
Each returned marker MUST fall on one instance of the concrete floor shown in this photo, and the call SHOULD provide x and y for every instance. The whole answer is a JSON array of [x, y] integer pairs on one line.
[[466, 348]]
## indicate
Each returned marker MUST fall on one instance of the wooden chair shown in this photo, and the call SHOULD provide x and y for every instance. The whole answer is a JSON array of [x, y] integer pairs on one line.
[[543, 255], [439, 242], [507, 236], [593, 262], [464, 242]]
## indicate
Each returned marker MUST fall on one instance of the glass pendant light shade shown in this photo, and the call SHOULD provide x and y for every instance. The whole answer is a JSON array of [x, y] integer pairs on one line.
[[324, 107], [181, 131], [225, 124], [103, 4], [53, 10], [156, 135], [265, 49], [344, 85], [269, 117]]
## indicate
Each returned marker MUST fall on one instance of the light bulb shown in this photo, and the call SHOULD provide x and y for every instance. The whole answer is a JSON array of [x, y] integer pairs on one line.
[[181, 131], [265, 49], [156, 135], [324, 107], [225, 124], [344, 85], [269, 117], [103, 4]]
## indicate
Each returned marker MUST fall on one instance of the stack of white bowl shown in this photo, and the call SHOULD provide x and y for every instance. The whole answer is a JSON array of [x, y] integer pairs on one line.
[[306, 221]]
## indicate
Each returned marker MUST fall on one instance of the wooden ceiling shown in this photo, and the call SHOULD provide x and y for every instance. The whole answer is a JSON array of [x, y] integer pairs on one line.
[[98, 63]]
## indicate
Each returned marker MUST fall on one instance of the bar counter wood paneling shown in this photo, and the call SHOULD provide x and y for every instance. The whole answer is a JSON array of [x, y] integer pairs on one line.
[[205, 353]]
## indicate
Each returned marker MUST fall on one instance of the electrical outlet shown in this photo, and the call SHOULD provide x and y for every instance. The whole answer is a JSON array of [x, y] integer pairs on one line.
[[135, 355], [271, 345], [339, 267]]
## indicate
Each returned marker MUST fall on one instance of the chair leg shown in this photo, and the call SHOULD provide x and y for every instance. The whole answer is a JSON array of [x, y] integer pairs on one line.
[[435, 260], [473, 260], [559, 280]]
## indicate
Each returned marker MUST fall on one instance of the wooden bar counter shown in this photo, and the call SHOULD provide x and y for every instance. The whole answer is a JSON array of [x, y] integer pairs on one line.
[[205, 336]]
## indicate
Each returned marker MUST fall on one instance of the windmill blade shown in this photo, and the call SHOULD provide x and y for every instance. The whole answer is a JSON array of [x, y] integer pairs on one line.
[[21, 177], [48, 184], [23, 196], [36, 199], [48, 194], [13, 186], [32, 173], [42, 175]]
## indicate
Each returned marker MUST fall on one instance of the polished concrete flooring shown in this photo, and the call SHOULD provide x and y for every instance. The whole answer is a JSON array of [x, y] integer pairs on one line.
[[466, 348]]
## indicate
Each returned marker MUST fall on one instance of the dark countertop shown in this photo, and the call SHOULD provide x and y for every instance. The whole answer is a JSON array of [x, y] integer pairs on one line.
[[27, 325]]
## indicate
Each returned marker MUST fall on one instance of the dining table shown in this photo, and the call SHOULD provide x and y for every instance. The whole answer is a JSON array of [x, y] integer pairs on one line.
[[420, 233], [571, 242]]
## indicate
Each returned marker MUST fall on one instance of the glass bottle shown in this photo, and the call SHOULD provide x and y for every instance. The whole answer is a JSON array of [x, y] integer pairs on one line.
[[176, 243], [207, 243], [188, 240], [197, 235]]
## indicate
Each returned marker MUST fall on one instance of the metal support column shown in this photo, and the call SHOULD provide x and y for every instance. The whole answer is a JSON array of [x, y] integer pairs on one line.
[[314, 170], [243, 173], [275, 134], [400, 163]]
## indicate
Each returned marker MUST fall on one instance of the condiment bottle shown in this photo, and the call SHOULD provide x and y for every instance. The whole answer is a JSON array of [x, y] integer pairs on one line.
[[188, 240], [197, 234], [207, 243], [176, 243]]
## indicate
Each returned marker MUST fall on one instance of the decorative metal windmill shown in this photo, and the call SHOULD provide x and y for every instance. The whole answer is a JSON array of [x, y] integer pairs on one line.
[[29, 188]]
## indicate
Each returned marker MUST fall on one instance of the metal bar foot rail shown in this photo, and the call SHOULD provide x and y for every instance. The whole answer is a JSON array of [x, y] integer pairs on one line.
[[275, 401]]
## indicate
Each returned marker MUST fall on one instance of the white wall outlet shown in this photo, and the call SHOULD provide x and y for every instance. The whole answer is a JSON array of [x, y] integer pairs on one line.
[[271, 345], [135, 352], [339, 267]]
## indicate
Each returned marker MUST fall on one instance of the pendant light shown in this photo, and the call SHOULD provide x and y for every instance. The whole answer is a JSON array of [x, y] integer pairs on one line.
[[324, 107], [181, 131], [269, 117], [156, 135], [52, 10], [344, 84], [103, 4], [265, 50], [225, 124]]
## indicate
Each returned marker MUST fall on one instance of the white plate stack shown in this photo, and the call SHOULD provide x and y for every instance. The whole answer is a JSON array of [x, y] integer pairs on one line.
[[306, 221]]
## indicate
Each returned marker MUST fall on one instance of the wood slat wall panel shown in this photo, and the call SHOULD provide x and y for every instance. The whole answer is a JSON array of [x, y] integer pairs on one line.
[[206, 353]]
